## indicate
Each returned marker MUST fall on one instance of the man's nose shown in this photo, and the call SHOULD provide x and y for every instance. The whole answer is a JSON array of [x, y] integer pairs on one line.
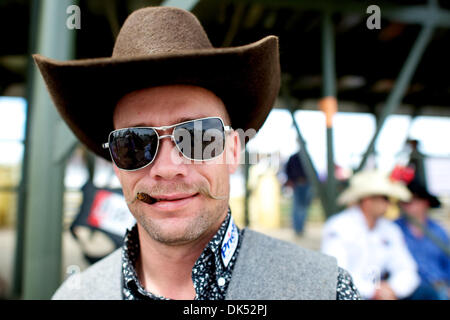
[[169, 163]]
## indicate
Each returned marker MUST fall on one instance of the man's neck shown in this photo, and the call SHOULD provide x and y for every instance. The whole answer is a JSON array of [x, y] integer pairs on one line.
[[416, 230], [165, 270], [371, 221]]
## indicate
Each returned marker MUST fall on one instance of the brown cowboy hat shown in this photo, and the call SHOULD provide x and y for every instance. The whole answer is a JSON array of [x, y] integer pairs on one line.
[[159, 46]]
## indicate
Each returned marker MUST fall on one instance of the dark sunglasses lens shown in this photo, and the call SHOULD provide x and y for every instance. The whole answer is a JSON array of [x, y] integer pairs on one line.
[[133, 148], [202, 139]]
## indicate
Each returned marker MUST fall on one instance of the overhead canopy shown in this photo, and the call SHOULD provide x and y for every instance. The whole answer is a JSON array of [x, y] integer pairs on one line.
[[367, 61]]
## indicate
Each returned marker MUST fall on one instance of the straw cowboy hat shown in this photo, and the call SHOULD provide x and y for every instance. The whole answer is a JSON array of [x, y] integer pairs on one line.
[[160, 46], [373, 183]]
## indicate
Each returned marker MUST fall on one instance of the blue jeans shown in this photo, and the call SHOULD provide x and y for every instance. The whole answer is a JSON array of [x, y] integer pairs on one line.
[[302, 199]]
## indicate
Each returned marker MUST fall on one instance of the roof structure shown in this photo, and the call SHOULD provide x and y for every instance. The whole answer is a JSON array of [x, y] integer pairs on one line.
[[368, 61]]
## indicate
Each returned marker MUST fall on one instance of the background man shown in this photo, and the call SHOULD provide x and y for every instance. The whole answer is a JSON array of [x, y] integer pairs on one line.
[[428, 244], [370, 247], [302, 193]]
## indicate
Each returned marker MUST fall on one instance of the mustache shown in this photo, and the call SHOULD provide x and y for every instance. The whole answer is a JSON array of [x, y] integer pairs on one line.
[[148, 195]]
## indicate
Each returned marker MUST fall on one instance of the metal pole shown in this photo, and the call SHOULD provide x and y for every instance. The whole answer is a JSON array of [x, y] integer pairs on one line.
[[308, 164], [328, 56], [305, 158], [329, 105], [44, 197], [182, 4], [17, 281], [403, 80]]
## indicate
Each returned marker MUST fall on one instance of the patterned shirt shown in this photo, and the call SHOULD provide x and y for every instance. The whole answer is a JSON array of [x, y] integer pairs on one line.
[[212, 271]]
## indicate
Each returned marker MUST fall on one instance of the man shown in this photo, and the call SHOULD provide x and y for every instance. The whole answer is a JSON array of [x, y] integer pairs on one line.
[[427, 241], [167, 100], [417, 161], [370, 247], [302, 193]]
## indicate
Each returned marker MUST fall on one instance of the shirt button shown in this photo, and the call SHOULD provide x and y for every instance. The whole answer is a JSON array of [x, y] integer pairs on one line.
[[221, 281]]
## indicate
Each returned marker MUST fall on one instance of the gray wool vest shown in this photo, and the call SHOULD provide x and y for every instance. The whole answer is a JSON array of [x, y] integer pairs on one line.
[[265, 269]]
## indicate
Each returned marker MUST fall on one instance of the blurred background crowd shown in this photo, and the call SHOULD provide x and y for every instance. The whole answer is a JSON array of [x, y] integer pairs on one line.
[[353, 161]]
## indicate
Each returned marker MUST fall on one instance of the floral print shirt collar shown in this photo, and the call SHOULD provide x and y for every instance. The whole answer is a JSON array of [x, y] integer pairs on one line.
[[211, 273]]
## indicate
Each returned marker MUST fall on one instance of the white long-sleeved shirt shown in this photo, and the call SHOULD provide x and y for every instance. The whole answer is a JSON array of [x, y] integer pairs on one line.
[[367, 254]]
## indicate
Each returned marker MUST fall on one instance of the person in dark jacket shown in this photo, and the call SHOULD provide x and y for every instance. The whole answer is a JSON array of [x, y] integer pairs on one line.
[[302, 192]]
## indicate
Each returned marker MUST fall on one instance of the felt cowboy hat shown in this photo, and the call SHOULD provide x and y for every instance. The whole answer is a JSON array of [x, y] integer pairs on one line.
[[373, 183], [160, 46]]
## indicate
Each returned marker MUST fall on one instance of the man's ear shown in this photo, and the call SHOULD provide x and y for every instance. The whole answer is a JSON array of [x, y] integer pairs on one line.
[[233, 151]]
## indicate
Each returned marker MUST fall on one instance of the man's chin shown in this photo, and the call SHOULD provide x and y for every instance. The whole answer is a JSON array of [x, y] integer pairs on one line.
[[182, 226], [175, 231]]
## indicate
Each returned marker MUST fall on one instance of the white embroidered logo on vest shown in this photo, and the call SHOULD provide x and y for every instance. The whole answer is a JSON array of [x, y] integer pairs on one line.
[[229, 242]]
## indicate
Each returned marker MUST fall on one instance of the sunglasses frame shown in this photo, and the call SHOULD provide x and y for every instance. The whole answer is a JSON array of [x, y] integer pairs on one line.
[[226, 129]]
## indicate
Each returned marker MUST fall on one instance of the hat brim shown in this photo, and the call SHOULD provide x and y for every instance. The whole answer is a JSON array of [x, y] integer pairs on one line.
[[419, 190], [352, 195], [434, 202], [85, 92], [424, 194]]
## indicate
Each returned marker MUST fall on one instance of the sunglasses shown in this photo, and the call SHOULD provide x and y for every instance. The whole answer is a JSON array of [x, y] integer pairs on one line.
[[135, 148]]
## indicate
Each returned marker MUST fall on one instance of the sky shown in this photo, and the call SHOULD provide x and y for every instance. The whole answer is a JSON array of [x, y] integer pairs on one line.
[[352, 134], [12, 129]]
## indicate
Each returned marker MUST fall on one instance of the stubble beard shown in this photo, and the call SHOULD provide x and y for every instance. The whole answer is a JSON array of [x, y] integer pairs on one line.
[[201, 224]]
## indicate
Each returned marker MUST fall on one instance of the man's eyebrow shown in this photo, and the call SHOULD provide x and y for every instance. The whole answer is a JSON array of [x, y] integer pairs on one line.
[[178, 120], [184, 119]]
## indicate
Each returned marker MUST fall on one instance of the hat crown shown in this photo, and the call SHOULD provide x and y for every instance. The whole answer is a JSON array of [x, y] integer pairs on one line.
[[156, 30], [369, 178], [372, 183]]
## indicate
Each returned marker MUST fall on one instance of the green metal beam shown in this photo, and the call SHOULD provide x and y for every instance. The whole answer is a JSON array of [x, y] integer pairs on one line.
[[401, 84], [47, 155], [64, 142], [17, 281], [409, 14], [290, 103], [182, 4], [308, 164], [328, 56], [305, 158], [419, 14], [235, 23], [329, 90]]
